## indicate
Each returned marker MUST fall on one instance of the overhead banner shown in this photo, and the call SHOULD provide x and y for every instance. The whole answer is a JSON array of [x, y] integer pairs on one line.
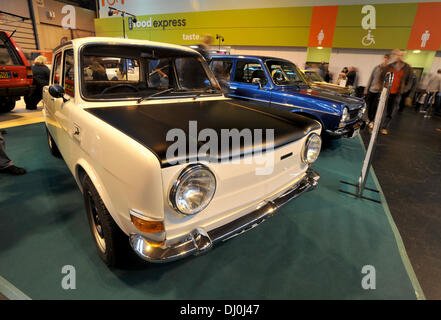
[[426, 31], [251, 27], [371, 26]]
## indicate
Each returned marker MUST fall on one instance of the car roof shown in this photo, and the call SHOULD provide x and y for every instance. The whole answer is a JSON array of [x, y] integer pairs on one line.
[[107, 40], [263, 58]]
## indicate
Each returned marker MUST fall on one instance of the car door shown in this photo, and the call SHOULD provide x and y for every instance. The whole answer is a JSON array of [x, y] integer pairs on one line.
[[48, 100], [242, 86], [68, 130]]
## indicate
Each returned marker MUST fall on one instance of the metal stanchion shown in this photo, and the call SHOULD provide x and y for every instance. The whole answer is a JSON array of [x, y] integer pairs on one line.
[[361, 185]]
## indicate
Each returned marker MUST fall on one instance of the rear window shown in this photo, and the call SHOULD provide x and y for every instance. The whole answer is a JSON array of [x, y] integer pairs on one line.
[[8, 56]]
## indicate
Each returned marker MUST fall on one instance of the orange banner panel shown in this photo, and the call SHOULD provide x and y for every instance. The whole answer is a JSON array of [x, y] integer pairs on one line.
[[426, 30], [322, 28]]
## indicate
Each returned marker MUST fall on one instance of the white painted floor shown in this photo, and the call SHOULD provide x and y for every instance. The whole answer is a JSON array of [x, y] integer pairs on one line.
[[20, 116]]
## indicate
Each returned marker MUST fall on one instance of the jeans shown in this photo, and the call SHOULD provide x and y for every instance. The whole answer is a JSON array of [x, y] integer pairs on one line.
[[372, 99], [392, 102], [4, 159]]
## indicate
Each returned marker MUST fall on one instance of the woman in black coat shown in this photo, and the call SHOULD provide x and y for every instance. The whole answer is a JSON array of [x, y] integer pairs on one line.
[[41, 74]]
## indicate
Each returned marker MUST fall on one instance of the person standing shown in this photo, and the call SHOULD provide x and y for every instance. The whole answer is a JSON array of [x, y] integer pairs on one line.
[[401, 83], [203, 47], [41, 74], [406, 96], [6, 165], [342, 77], [433, 87], [351, 76], [373, 89]]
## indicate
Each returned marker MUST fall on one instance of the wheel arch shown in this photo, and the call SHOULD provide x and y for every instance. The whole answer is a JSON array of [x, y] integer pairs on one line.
[[82, 169]]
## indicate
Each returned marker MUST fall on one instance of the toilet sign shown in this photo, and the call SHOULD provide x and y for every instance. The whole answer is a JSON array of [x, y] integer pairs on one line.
[[426, 31], [424, 38], [322, 26]]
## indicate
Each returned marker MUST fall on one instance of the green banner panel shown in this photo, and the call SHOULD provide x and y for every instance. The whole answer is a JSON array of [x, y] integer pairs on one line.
[[267, 27], [382, 26]]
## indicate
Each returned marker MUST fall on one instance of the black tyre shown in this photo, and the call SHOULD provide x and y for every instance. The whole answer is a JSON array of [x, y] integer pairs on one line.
[[7, 105], [112, 244], [52, 145]]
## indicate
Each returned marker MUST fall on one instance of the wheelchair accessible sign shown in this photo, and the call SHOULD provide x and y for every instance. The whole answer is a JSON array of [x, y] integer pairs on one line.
[[374, 26]]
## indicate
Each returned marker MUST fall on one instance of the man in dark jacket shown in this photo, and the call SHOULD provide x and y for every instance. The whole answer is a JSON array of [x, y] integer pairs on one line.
[[401, 83], [41, 74], [351, 76], [373, 89]]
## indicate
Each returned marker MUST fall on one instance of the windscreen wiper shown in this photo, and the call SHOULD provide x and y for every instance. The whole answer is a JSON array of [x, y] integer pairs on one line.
[[208, 90], [154, 95]]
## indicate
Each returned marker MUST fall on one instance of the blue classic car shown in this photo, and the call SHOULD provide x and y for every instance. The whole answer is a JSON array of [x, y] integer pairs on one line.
[[277, 83]]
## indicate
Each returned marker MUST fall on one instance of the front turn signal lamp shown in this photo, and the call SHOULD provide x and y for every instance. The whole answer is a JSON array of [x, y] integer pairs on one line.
[[147, 226]]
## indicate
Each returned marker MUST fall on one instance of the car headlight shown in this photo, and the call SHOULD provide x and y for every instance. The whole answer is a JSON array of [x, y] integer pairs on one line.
[[345, 114], [312, 148], [193, 190]]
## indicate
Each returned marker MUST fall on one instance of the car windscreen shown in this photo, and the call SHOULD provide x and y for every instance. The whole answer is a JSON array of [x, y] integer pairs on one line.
[[313, 76], [124, 71], [284, 73]]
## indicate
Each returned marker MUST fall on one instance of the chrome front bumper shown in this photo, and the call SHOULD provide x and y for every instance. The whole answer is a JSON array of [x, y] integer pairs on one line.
[[347, 131], [199, 240]]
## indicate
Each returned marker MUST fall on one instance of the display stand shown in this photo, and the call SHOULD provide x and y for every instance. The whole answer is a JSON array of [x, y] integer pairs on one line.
[[361, 186]]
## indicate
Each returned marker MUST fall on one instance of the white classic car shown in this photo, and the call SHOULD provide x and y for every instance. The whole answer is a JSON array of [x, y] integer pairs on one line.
[[142, 186]]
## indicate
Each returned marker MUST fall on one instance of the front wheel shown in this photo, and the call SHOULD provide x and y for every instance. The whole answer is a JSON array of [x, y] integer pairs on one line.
[[112, 244]]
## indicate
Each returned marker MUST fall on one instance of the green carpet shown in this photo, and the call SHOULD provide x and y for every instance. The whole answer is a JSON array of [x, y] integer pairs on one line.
[[314, 248]]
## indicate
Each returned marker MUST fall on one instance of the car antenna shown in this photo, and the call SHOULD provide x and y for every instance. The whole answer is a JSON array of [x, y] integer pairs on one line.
[[10, 36]]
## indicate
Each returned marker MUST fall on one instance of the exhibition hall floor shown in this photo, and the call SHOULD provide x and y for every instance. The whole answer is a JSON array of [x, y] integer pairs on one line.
[[313, 248]]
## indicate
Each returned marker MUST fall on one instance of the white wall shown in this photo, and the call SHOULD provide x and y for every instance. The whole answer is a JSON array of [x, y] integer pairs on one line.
[[294, 54], [363, 60]]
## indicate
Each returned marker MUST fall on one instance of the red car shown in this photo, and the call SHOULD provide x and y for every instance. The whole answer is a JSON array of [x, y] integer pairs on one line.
[[15, 73]]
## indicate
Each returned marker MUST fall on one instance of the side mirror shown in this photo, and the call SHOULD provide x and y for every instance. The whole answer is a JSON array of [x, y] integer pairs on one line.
[[57, 91], [257, 81]]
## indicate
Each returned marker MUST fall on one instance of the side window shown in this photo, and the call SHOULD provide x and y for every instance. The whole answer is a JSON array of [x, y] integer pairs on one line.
[[69, 84], [56, 74], [246, 71], [221, 69]]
